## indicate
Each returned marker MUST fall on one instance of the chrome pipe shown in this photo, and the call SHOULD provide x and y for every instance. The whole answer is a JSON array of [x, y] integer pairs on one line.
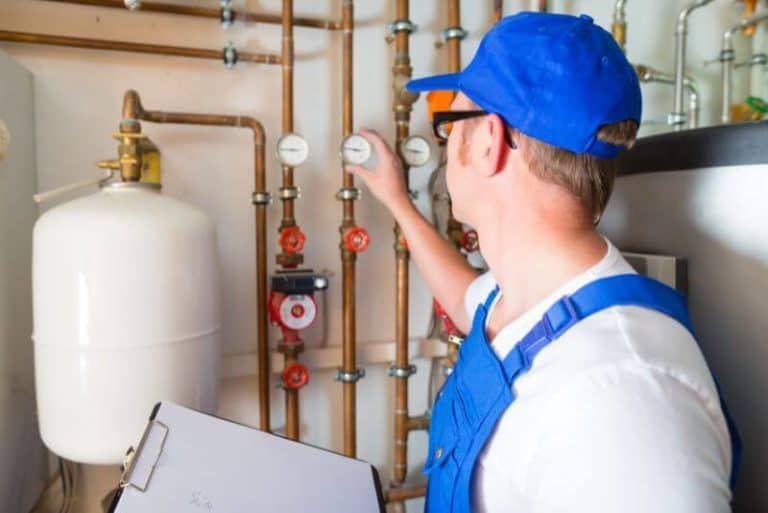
[[727, 56], [619, 26], [647, 75], [677, 116]]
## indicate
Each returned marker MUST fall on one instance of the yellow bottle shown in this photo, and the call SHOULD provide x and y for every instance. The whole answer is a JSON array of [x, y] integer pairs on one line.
[[752, 109]]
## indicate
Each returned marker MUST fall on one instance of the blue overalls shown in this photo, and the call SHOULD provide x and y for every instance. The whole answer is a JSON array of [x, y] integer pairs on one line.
[[479, 390]]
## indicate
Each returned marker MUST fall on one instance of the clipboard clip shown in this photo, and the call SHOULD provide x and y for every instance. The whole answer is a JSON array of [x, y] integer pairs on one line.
[[132, 457]]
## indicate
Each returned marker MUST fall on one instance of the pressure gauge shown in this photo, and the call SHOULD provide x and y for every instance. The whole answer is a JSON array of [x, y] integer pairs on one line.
[[292, 150], [415, 151], [5, 139], [356, 150]]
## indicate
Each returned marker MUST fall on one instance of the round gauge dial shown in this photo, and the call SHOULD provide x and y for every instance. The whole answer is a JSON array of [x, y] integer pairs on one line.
[[5, 139], [292, 150], [415, 151], [356, 150]]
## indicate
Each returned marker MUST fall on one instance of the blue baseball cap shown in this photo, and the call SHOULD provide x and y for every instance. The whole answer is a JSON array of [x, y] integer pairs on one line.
[[554, 77]]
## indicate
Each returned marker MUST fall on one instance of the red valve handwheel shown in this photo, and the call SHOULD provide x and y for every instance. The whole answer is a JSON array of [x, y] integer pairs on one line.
[[448, 326], [295, 376], [356, 239], [292, 239], [470, 241]]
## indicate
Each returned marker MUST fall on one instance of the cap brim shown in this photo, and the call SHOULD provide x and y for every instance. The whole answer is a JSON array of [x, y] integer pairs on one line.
[[449, 82]]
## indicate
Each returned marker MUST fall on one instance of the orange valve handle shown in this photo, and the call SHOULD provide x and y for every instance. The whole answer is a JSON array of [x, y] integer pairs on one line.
[[470, 241], [295, 376], [292, 239], [356, 239]]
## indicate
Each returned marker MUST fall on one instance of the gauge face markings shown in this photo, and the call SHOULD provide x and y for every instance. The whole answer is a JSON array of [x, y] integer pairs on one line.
[[292, 150], [415, 151], [355, 150]]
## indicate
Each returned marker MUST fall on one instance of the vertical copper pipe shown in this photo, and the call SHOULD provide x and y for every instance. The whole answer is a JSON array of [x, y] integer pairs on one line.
[[292, 420], [544, 5], [287, 65], [401, 370], [454, 44], [133, 110], [349, 356], [498, 10], [454, 228]]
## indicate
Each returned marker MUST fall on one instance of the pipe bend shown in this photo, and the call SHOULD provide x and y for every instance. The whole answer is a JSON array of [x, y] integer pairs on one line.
[[132, 108], [682, 18], [256, 127], [741, 24]]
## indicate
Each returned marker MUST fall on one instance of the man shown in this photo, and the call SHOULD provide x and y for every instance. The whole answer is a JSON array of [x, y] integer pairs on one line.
[[597, 402]]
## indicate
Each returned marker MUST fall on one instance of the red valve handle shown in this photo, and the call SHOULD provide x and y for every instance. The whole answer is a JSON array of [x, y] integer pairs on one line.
[[292, 239], [295, 376], [356, 239], [470, 241], [448, 326]]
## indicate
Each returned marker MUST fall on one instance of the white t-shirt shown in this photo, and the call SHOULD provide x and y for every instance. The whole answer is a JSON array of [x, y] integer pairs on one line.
[[619, 415]]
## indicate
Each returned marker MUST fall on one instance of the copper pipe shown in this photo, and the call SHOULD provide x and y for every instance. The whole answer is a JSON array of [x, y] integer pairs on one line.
[[454, 43], [349, 258], [543, 6], [402, 370], [208, 12], [420, 423], [133, 111], [123, 46], [292, 424], [454, 229], [291, 352], [403, 494], [498, 10]]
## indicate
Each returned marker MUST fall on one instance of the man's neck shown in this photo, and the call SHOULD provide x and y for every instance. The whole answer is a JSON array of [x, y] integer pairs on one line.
[[531, 264]]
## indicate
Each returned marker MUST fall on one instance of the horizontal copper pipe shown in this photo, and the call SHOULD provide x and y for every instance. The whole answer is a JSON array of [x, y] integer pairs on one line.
[[420, 423], [133, 110], [403, 494], [124, 46], [208, 12]]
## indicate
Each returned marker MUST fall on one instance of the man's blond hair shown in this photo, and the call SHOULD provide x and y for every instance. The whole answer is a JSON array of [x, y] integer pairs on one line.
[[588, 178]]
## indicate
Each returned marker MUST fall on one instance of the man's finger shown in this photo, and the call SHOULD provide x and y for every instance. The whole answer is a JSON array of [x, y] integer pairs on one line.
[[377, 140]]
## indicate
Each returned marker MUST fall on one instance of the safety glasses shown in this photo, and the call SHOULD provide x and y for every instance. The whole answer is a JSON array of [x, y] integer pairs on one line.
[[442, 123]]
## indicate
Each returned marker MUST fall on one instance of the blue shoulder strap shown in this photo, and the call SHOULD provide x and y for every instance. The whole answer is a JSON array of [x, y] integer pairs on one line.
[[599, 295]]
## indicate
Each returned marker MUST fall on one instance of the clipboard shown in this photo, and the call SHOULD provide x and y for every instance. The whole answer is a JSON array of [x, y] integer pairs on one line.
[[192, 462]]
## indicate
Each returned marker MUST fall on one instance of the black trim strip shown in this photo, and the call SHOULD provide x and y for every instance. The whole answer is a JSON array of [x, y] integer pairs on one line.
[[726, 145]]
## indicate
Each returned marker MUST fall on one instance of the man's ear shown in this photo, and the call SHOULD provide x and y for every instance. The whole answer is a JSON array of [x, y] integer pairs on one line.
[[495, 149]]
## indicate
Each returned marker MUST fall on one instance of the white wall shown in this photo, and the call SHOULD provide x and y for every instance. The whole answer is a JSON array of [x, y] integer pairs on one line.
[[79, 95], [23, 464]]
